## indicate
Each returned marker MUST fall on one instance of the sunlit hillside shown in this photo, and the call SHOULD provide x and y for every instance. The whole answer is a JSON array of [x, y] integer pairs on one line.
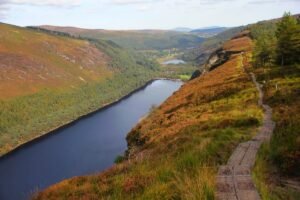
[[139, 39], [48, 80], [32, 60], [175, 151]]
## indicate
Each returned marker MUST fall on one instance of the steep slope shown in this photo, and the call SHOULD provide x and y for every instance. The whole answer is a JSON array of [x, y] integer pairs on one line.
[[175, 151], [201, 53], [139, 39], [276, 171], [48, 80], [277, 166], [32, 60]]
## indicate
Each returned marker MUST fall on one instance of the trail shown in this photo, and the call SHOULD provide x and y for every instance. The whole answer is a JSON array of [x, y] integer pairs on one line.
[[234, 181]]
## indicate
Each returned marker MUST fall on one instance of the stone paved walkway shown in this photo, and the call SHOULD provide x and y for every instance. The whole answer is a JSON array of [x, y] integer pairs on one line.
[[234, 181]]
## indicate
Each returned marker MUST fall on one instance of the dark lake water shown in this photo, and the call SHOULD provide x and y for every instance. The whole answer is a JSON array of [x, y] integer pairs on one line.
[[85, 147], [174, 62]]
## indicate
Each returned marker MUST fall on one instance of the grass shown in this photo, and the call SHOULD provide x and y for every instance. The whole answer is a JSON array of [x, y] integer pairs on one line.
[[184, 77], [174, 153], [280, 159], [200, 188]]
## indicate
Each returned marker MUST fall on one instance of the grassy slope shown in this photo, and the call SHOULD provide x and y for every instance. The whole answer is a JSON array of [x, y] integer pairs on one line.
[[32, 60], [140, 40], [174, 152], [279, 160], [48, 80]]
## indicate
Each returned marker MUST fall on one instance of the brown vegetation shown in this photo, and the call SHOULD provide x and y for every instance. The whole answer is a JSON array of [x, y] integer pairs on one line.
[[174, 152], [31, 61]]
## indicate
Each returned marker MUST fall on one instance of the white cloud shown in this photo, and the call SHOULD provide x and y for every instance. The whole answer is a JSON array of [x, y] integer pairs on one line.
[[42, 3], [130, 2], [143, 8], [130, 13], [5, 4]]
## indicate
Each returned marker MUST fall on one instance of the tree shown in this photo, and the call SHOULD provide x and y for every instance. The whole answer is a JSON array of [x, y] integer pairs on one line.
[[264, 49], [288, 36]]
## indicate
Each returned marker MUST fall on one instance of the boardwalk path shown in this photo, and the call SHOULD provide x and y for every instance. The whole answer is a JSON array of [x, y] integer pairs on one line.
[[234, 180]]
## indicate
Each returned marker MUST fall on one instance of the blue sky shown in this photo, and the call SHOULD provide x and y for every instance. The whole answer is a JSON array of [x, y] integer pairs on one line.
[[142, 14]]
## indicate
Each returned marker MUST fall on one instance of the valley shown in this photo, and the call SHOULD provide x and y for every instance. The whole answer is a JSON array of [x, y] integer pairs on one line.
[[135, 39], [62, 77], [183, 113], [176, 152], [199, 120], [55, 156]]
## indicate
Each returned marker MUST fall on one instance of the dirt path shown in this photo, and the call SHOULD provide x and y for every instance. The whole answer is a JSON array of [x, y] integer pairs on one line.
[[234, 180]]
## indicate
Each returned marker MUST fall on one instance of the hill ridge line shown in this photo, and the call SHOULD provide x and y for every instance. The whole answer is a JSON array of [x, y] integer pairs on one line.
[[234, 181]]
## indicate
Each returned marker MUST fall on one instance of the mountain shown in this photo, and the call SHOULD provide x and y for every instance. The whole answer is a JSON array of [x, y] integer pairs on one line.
[[209, 31], [31, 61], [136, 39], [172, 153], [62, 76], [201, 53], [202, 32], [178, 149], [182, 29]]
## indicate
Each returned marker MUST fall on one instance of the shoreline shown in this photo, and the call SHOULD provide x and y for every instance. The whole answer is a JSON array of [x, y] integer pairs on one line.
[[52, 131]]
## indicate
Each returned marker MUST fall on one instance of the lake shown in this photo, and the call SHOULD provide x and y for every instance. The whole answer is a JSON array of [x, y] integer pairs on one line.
[[87, 146], [174, 62]]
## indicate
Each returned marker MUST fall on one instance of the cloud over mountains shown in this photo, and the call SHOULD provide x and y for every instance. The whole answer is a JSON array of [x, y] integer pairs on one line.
[[44, 2], [145, 12]]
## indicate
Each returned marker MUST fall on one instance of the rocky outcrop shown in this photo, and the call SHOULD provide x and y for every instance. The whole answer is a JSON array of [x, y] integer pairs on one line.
[[223, 54], [218, 58], [196, 74]]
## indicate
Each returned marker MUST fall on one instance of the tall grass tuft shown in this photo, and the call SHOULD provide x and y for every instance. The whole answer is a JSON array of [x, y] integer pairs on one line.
[[198, 186]]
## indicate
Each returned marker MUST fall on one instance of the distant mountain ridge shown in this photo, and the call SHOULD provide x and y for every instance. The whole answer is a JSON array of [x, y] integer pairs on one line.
[[211, 30], [135, 39], [182, 29], [205, 32]]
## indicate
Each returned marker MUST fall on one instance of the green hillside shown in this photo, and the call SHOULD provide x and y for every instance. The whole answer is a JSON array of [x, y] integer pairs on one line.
[[138, 40], [63, 77], [277, 64]]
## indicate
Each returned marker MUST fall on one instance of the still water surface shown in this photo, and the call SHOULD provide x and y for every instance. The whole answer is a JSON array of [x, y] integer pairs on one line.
[[174, 62], [87, 146]]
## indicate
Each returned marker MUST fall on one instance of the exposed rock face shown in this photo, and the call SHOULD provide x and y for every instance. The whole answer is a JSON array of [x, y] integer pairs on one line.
[[223, 54], [196, 74], [219, 57]]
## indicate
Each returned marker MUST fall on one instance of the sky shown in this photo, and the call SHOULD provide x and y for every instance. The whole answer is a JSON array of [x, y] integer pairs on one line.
[[143, 14]]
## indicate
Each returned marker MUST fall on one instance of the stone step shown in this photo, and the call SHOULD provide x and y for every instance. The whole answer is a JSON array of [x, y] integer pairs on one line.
[[245, 188], [225, 170], [225, 188], [238, 154], [250, 155], [242, 170], [225, 196]]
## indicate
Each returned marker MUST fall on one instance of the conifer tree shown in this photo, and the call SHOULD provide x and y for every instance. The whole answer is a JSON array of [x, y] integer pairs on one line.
[[264, 49], [288, 36]]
